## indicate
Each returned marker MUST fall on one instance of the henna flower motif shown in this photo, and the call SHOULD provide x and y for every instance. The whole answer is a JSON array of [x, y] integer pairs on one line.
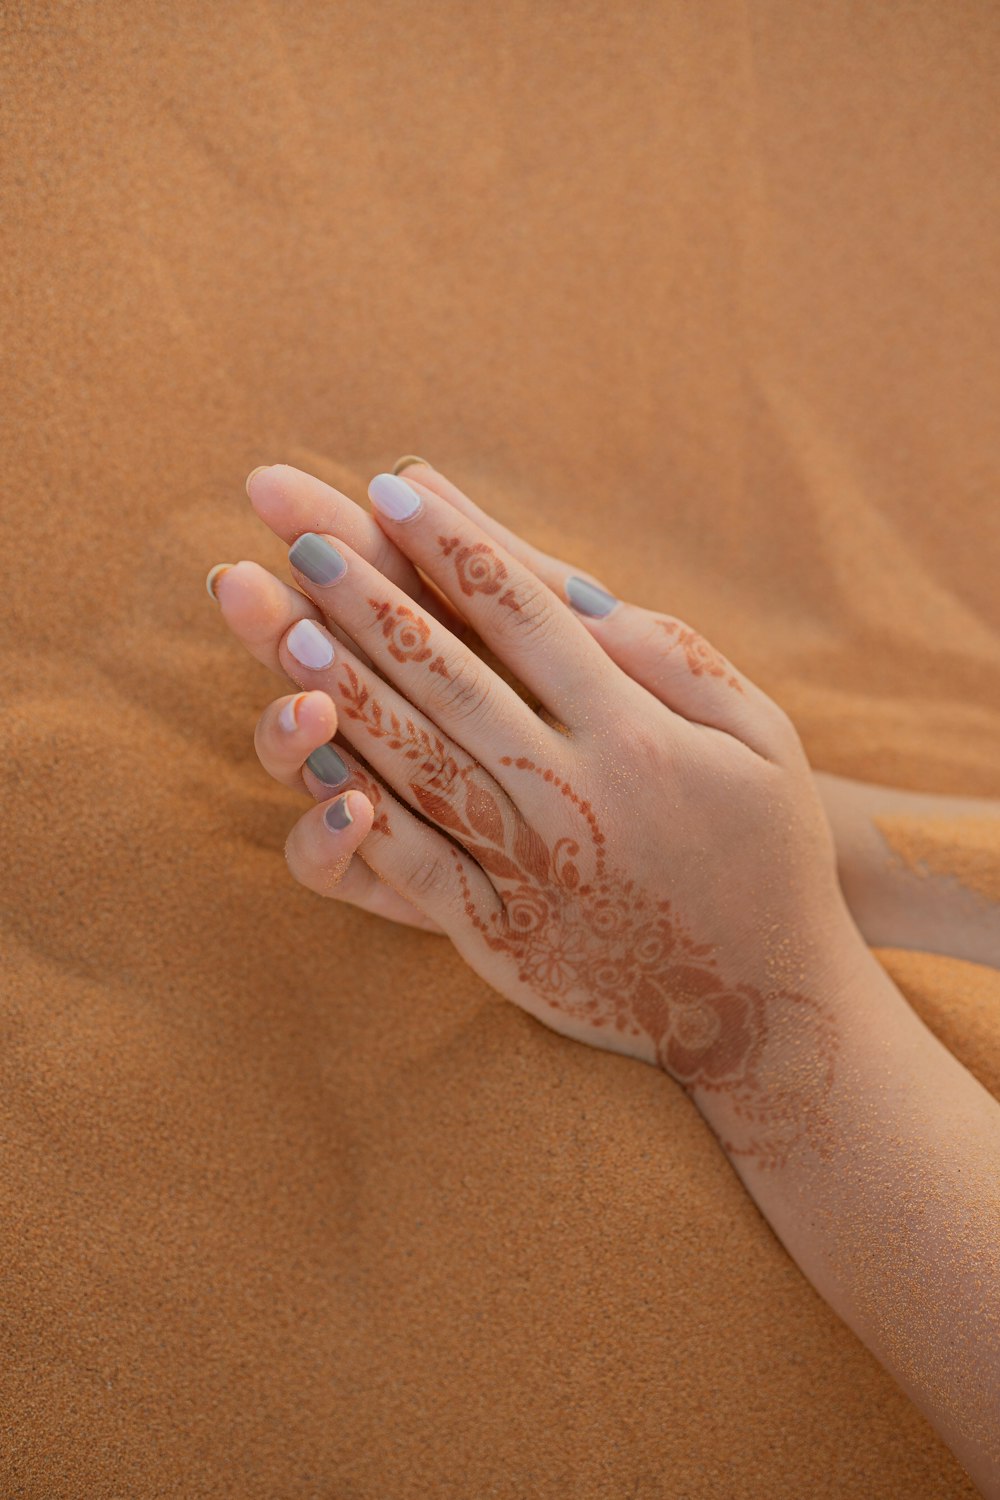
[[714, 1030], [479, 570], [527, 909], [559, 958], [406, 633], [653, 944], [608, 917]]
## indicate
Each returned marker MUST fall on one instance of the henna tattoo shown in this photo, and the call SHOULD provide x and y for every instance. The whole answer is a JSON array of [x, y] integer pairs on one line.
[[479, 570], [586, 939], [407, 635], [596, 947], [373, 791], [701, 657], [438, 769]]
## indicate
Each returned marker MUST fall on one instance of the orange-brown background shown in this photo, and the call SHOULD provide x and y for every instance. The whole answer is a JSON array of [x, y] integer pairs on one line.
[[703, 296]]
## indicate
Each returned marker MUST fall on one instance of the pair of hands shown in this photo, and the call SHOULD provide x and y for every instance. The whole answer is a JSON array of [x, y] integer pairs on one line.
[[641, 861]]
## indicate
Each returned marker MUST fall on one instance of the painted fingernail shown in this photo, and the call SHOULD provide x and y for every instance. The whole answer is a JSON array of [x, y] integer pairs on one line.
[[315, 557], [213, 577], [338, 815], [407, 459], [310, 647], [393, 497], [587, 599], [253, 475], [288, 719], [327, 766]]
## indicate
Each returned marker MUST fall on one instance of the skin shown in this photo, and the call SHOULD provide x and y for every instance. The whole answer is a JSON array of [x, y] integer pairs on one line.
[[644, 864], [890, 905]]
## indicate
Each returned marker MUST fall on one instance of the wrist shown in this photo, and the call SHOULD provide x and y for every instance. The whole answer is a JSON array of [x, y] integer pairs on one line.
[[776, 1104]]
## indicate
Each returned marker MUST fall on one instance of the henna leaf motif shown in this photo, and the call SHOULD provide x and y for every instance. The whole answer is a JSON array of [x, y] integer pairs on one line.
[[437, 808], [530, 851], [483, 813], [494, 862]]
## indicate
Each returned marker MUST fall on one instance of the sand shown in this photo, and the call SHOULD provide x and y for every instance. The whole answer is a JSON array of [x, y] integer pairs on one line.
[[964, 848], [705, 298]]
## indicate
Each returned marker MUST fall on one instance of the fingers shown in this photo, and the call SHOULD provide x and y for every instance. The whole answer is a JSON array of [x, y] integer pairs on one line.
[[292, 502], [292, 742], [322, 844], [446, 682], [514, 612], [322, 854], [660, 652], [429, 873], [548, 568], [292, 729], [422, 765], [682, 669], [258, 608]]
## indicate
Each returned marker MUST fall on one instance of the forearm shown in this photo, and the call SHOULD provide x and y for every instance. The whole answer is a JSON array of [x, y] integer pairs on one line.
[[948, 907], [893, 1210]]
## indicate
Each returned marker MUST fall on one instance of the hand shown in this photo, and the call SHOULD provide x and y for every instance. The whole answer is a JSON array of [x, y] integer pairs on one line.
[[658, 878], [891, 905]]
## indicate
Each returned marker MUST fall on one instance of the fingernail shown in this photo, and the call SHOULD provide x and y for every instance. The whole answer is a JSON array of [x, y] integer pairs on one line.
[[253, 475], [393, 497], [327, 766], [213, 577], [338, 815], [587, 599], [310, 647], [315, 557], [407, 459], [288, 719]]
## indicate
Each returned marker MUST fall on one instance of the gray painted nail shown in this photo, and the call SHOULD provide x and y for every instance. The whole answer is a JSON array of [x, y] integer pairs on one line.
[[327, 766], [588, 599], [338, 815], [317, 559]]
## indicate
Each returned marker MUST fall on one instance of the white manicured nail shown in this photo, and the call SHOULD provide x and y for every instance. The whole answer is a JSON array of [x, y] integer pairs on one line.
[[393, 497], [310, 647]]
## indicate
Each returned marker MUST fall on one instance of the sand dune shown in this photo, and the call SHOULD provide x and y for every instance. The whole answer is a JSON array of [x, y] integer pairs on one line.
[[706, 298]]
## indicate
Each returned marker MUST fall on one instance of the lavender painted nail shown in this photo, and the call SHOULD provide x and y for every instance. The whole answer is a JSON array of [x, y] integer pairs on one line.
[[310, 647], [315, 557], [393, 497], [587, 599]]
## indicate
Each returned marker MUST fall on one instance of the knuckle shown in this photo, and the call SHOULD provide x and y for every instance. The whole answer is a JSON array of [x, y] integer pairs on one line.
[[527, 615], [425, 874], [463, 693]]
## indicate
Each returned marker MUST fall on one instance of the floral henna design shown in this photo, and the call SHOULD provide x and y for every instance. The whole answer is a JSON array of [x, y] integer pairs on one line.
[[407, 635], [601, 950], [479, 570], [598, 948], [701, 657]]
